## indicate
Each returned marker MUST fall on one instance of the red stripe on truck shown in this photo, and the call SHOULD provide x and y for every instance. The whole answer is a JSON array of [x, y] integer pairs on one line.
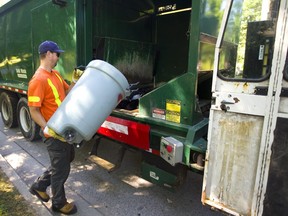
[[126, 131]]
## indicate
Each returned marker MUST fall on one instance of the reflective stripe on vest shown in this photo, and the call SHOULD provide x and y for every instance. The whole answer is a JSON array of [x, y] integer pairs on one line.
[[55, 92], [59, 77], [33, 99]]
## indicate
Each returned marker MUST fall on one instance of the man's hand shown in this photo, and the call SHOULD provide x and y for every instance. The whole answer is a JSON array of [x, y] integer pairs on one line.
[[77, 73], [48, 132]]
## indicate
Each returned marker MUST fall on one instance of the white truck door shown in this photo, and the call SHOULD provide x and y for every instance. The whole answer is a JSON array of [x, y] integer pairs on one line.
[[248, 79]]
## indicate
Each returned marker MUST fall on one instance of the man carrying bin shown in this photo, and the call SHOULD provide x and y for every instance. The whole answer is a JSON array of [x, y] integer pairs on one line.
[[46, 90]]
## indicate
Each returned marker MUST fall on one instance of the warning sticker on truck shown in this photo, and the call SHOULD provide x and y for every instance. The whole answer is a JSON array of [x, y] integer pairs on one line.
[[173, 110], [158, 113], [173, 116]]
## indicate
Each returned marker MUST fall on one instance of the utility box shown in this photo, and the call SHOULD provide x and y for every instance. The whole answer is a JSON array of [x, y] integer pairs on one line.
[[171, 150], [158, 176]]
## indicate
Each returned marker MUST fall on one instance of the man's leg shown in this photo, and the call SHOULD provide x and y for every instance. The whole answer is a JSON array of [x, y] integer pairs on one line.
[[39, 187], [61, 154]]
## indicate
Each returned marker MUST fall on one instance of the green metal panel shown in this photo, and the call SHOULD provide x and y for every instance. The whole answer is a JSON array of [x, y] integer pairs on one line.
[[3, 66], [52, 22], [127, 19], [24, 25], [15, 57], [172, 45], [84, 36], [194, 41], [133, 58], [172, 101]]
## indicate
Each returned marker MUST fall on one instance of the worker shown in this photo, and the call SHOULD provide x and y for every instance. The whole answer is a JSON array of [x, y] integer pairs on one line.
[[46, 90]]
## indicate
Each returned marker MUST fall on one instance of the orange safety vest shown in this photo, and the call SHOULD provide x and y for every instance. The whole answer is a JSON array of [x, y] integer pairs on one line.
[[46, 90]]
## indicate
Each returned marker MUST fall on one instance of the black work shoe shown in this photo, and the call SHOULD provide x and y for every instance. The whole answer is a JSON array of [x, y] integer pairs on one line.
[[40, 194], [68, 208]]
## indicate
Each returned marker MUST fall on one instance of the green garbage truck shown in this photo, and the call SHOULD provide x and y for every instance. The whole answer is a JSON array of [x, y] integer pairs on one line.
[[208, 87], [155, 44]]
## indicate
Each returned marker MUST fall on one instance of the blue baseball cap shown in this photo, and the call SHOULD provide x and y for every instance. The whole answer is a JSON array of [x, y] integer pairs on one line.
[[49, 46]]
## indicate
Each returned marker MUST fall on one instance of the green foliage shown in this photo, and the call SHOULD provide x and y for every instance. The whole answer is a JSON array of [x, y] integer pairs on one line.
[[11, 201]]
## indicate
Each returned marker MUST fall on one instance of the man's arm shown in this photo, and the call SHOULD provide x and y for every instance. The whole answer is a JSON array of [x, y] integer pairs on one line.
[[37, 116], [77, 73]]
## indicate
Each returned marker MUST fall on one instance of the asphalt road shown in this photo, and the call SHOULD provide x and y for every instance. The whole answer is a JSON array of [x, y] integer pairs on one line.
[[92, 188]]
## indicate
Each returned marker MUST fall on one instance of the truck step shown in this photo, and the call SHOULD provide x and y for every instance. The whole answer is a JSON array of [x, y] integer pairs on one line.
[[102, 162], [110, 167]]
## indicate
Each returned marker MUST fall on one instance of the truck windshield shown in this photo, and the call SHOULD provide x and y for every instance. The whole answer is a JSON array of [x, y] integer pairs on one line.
[[249, 39]]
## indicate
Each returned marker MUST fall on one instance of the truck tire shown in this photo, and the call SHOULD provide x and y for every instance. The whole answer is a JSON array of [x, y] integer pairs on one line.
[[8, 107], [28, 127]]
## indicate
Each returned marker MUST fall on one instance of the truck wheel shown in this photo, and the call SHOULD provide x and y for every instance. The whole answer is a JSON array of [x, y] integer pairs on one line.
[[8, 106], [28, 127]]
